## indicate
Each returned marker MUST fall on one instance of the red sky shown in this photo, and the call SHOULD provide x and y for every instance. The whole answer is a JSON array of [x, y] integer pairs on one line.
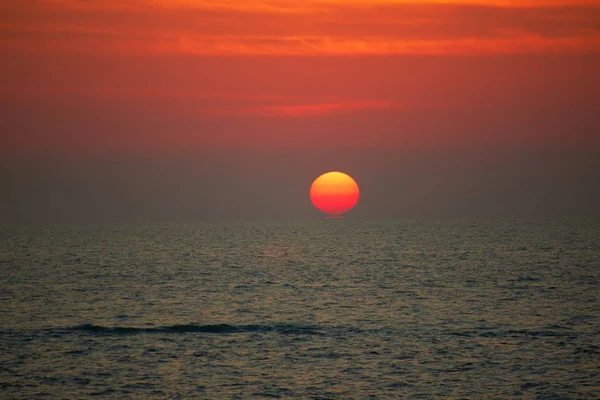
[[273, 71], [107, 78]]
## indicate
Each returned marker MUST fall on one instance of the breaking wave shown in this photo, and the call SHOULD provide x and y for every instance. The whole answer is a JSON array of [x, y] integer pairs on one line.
[[195, 328]]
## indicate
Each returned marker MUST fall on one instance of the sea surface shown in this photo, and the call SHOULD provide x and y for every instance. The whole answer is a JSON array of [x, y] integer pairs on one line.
[[324, 309]]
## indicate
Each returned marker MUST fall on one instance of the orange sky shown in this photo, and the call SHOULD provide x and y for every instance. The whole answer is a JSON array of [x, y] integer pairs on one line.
[[178, 73], [307, 27]]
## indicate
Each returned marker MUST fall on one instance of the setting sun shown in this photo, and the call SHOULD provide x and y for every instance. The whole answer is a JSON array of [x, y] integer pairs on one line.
[[334, 193]]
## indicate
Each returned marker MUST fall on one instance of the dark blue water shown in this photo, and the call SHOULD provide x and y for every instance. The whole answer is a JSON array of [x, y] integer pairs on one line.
[[331, 309]]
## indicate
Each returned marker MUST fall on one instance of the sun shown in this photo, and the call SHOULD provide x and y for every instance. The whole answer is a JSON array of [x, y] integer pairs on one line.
[[334, 193]]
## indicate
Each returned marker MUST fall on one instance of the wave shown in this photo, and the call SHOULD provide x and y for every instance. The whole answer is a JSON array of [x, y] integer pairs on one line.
[[195, 328], [559, 331]]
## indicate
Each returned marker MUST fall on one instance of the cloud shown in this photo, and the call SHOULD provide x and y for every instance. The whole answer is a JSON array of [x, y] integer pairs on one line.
[[308, 28], [213, 104], [306, 110]]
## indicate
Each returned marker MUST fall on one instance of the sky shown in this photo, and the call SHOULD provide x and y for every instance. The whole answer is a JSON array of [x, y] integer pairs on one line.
[[182, 110]]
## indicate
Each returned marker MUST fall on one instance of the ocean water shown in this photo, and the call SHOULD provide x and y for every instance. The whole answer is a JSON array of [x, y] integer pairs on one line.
[[326, 309]]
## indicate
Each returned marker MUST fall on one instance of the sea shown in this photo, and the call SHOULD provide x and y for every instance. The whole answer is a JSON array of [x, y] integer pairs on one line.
[[321, 309]]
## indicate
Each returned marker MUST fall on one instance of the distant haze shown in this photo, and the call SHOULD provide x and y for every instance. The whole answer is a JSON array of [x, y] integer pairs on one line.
[[254, 185]]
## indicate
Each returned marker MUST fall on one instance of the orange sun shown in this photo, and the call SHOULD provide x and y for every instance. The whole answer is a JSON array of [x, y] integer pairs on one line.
[[334, 193]]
